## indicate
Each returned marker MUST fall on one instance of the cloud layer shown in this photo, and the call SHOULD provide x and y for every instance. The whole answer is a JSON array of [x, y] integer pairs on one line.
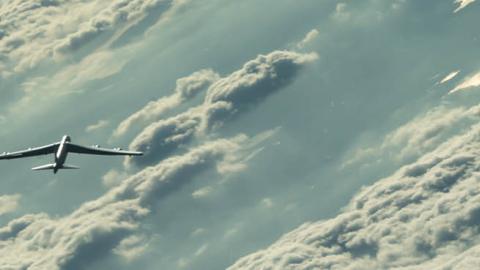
[[99, 226], [424, 216], [225, 98], [33, 31]]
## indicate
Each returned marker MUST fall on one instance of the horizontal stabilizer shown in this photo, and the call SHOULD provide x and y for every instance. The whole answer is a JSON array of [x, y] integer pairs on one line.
[[44, 167], [65, 166], [53, 167]]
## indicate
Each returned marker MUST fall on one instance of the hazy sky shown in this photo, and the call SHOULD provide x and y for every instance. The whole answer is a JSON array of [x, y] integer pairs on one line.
[[309, 134]]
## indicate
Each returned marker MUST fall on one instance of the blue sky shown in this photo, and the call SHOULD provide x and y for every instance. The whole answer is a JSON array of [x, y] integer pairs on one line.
[[256, 117]]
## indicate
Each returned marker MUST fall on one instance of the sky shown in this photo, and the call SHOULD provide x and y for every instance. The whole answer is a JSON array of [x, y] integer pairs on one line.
[[277, 134]]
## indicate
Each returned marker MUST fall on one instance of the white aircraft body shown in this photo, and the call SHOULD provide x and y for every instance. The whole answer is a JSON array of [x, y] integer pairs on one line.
[[61, 150]]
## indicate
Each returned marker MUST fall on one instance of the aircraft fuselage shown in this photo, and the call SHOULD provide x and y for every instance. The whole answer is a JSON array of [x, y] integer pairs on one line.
[[61, 154]]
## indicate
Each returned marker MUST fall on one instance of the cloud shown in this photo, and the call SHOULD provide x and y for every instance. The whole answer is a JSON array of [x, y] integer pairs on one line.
[[267, 203], [132, 247], [201, 193], [424, 216], [225, 99], [70, 80], [198, 232], [422, 134], [311, 36], [113, 178], [78, 42], [99, 125], [341, 12], [34, 31], [201, 250], [111, 221], [468, 83], [9, 203], [449, 77], [187, 88], [462, 4]]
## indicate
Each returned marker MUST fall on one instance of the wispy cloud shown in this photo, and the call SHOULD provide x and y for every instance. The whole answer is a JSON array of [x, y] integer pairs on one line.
[[202, 192], [449, 77], [462, 4], [132, 247], [9, 203], [99, 125], [310, 37], [468, 83]]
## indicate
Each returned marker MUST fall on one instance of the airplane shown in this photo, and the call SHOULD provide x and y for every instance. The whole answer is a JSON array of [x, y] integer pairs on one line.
[[61, 150]]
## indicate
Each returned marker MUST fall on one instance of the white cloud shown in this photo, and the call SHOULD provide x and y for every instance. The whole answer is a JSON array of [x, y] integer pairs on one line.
[[424, 216], [99, 125], [462, 4], [99, 226], [422, 134], [198, 232], [267, 203], [79, 42], [9, 203], [231, 232], [224, 99], [187, 88], [201, 250], [468, 83], [310, 37], [132, 247], [449, 77], [69, 80], [201, 193], [341, 12], [34, 31], [113, 178]]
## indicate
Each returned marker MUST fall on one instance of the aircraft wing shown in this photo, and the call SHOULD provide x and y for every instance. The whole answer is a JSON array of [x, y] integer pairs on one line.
[[75, 148], [37, 151]]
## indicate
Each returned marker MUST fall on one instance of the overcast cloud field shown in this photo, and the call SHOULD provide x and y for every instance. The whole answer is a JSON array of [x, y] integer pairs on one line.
[[277, 134]]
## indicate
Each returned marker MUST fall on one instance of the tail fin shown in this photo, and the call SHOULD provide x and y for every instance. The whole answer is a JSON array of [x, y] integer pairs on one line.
[[45, 167]]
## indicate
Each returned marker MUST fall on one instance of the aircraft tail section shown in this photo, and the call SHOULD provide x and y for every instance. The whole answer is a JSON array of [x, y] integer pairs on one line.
[[54, 167]]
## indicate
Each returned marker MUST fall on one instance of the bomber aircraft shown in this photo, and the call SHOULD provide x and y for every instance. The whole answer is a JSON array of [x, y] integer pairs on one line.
[[61, 150]]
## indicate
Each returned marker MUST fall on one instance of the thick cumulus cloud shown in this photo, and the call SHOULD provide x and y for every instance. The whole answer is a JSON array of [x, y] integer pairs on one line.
[[187, 88], [424, 216], [225, 98], [32, 31], [109, 223]]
